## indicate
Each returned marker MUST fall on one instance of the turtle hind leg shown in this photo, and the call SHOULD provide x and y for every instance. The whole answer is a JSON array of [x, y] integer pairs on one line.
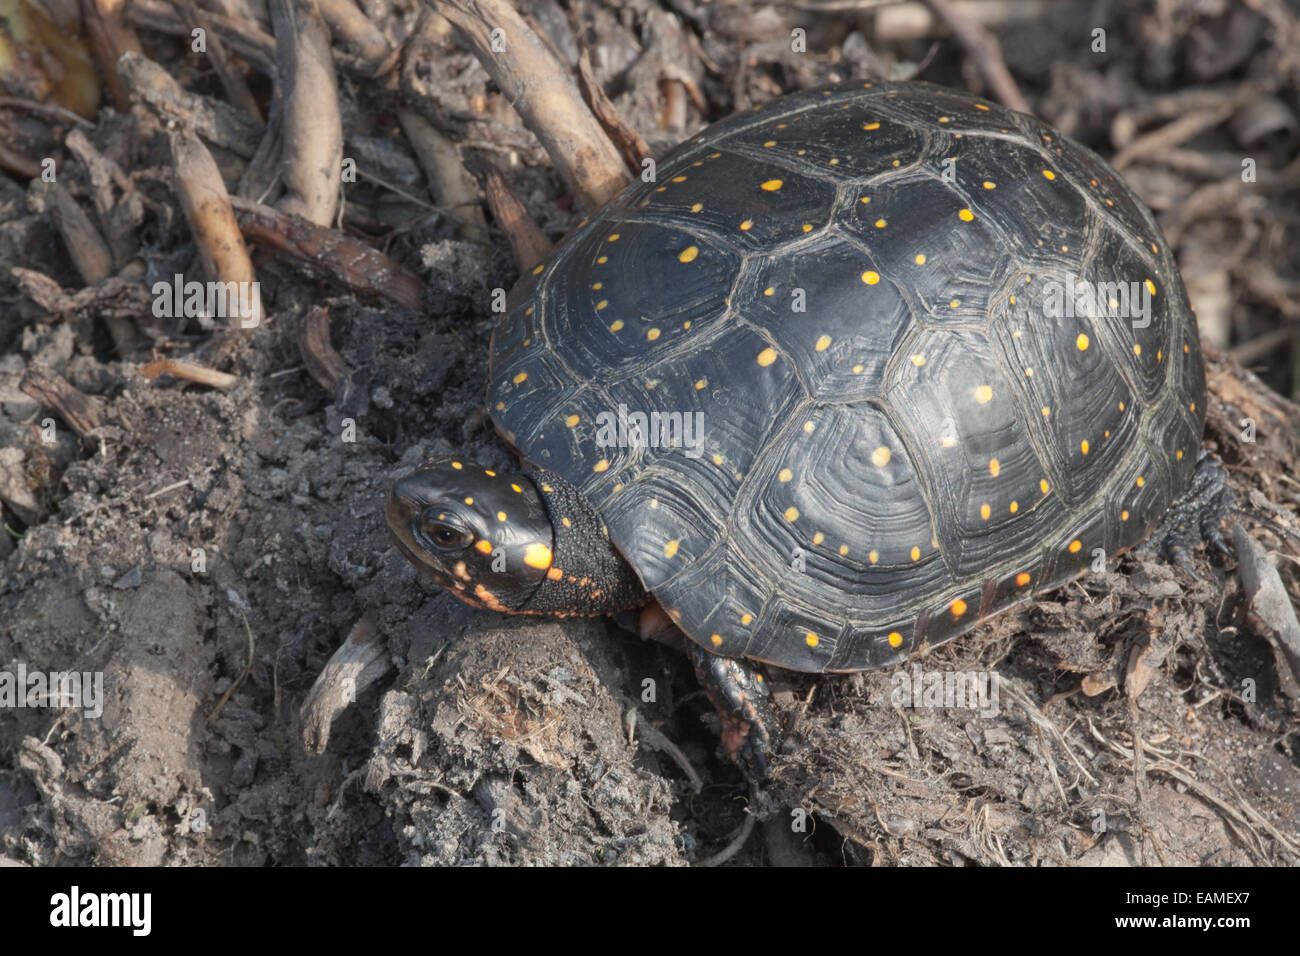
[[738, 694], [1197, 516]]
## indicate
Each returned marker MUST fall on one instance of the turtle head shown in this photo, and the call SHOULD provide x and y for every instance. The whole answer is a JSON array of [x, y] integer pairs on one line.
[[485, 537]]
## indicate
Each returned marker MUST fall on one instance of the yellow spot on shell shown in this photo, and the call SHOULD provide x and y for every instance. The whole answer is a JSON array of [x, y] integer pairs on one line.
[[1043, 486], [689, 254], [1141, 481], [772, 185], [489, 473], [958, 607], [791, 514], [697, 207], [809, 426], [716, 639], [1083, 446], [870, 126], [920, 258], [520, 378], [652, 334], [747, 225], [602, 465], [1075, 545], [1049, 174], [918, 360], [616, 325], [613, 237], [965, 215], [516, 488], [1137, 350], [602, 304], [1082, 342], [916, 553], [994, 467], [870, 278], [785, 474], [701, 385], [880, 457], [537, 556], [1022, 578], [844, 549], [457, 465], [501, 516], [1123, 515], [810, 639], [483, 547], [571, 420], [670, 549], [818, 538], [873, 556], [985, 511], [769, 290], [1151, 286], [983, 394], [539, 270], [469, 501], [746, 619], [1013, 507], [823, 343], [880, 224], [766, 357], [895, 639], [1179, 454], [990, 185]]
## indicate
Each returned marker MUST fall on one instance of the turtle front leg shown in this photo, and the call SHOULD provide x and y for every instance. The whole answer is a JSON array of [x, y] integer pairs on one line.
[[736, 690], [738, 694]]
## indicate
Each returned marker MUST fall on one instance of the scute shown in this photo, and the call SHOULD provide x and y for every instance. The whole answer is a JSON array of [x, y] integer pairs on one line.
[[883, 420]]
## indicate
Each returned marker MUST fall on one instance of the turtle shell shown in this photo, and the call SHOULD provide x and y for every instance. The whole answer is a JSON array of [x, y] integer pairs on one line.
[[858, 368]]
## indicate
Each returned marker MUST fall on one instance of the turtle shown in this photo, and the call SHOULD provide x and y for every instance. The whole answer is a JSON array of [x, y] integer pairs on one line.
[[853, 371]]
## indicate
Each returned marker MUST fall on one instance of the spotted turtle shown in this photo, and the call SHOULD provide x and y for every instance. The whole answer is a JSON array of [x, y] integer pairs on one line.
[[856, 369]]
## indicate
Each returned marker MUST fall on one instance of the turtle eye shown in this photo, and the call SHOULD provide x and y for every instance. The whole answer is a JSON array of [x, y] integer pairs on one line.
[[444, 531]]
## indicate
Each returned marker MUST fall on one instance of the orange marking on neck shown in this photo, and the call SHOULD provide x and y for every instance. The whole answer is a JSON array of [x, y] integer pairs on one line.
[[490, 600]]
